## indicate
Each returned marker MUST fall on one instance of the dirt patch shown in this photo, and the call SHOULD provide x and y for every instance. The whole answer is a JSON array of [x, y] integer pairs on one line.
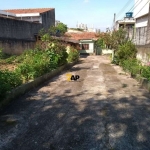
[[10, 67]]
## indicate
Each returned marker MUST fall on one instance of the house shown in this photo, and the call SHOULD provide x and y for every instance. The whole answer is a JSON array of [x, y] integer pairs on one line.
[[86, 41], [127, 22], [44, 16], [141, 12]]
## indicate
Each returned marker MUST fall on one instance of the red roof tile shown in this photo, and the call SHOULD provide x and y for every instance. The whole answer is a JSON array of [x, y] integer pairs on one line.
[[83, 35], [24, 11]]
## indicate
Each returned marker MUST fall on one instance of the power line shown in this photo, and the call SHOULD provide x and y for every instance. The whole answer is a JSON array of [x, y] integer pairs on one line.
[[122, 10], [134, 6], [141, 9]]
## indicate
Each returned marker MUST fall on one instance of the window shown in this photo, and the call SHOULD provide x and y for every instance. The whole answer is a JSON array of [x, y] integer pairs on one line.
[[85, 46]]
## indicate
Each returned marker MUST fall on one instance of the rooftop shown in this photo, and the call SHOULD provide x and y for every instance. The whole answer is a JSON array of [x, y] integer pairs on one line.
[[81, 36], [30, 10]]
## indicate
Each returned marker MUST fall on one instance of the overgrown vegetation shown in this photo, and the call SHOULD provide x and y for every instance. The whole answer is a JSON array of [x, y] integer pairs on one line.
[[112, 39], [34, 63], [58, 30], [125, 53]]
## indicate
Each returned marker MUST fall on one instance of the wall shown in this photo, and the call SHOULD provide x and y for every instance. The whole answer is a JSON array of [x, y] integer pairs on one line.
[[12, 46], [48, 19], [139, 7], [91, 46], [141, 22], [143, 53], [18, 35], [32, 19], [107, 51], [138, 35], [18, 29]]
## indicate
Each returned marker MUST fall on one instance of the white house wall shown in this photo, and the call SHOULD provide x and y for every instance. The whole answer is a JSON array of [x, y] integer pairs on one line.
[[91, 48], [141, 22], [32, 19], [138, 11]]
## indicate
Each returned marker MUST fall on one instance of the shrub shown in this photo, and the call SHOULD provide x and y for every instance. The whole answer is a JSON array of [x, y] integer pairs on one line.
[[33, 65], [73, 55], [125, 51], [131, 65], [145, 72], [8, 81], [57, 53]]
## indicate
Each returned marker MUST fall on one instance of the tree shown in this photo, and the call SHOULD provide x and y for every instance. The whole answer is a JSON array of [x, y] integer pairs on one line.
[[61, 28]]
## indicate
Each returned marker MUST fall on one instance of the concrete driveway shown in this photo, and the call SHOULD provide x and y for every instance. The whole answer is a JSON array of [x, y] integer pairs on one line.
[[104, 110]]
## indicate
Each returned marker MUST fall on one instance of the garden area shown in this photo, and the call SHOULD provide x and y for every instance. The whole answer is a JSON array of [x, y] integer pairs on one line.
[[17, 70]]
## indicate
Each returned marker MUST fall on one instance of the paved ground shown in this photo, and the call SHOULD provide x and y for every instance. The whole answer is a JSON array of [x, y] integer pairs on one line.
[[104, 110]]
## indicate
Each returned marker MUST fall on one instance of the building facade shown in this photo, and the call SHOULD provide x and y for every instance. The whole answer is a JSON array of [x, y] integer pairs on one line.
[[44, 16], [141, 12]]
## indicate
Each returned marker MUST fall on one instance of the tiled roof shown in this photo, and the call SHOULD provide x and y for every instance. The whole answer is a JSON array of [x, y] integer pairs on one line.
[[24, 11], [83, 35]]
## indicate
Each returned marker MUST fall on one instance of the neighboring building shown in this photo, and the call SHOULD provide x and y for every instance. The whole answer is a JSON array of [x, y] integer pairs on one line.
[[45, 16], [86, 41], [141, 12], [127, 22]]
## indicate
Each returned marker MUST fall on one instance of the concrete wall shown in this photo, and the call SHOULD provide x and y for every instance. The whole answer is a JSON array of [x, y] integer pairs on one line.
[[143, 53], [141, 22], [16, 47], [139, 7], [48, 19], [18, 29], [138, 35], [18, 35], [107, 51]]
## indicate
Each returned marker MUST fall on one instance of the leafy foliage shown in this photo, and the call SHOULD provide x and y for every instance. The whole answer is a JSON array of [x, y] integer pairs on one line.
[[8, 80], [126, 51], [132, 65], [73, 55], [113, 39], [145, 72], [58, 30], [100, 43]]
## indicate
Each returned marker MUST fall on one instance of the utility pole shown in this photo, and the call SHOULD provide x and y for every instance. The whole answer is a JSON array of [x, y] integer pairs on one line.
[[148, 29], [114, 24]]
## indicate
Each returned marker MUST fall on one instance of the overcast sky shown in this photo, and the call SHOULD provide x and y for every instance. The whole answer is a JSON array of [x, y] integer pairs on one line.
[[91, 12]]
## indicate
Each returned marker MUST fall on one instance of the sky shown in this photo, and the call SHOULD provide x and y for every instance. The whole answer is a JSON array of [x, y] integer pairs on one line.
[[97, 13]]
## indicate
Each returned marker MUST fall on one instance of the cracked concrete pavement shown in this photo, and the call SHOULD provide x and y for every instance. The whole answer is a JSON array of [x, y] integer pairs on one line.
[[104, 110]]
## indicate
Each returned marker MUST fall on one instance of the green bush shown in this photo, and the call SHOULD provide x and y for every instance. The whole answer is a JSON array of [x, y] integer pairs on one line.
[[8, 81], [145, 72], [125, 51], [131, 65], [34, 64], [73, 55], [57, 53]]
